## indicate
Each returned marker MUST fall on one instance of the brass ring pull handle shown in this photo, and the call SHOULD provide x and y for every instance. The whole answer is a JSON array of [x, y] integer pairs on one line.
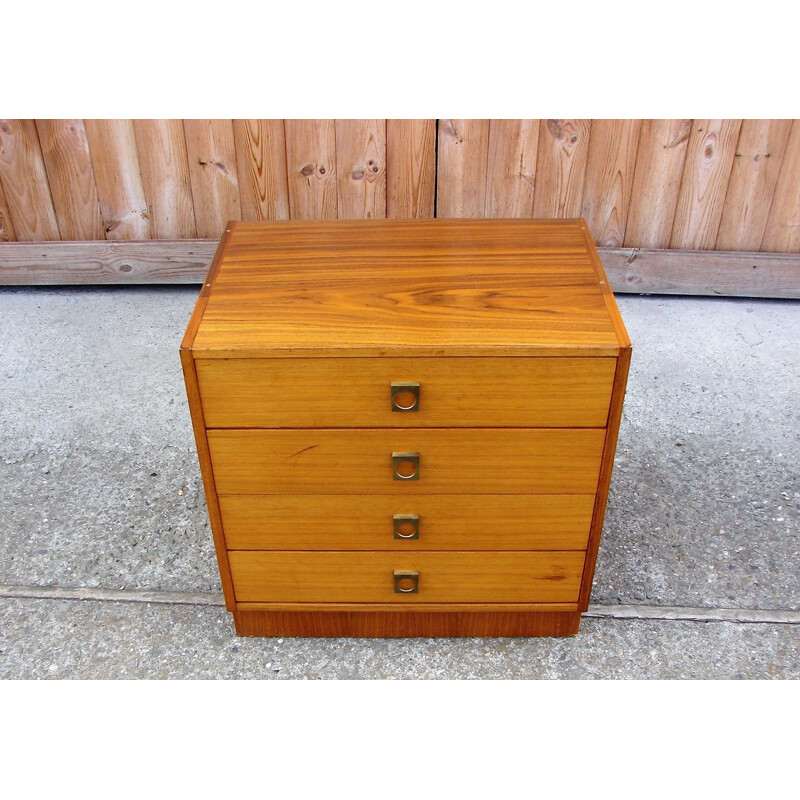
[[405, 526], [405, 466], [406, 581], [405, 396]]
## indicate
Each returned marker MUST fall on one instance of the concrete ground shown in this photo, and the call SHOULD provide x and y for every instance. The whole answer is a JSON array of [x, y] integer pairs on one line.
[[101, 498]]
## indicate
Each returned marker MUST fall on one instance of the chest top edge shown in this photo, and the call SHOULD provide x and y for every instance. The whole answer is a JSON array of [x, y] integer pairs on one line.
[[367, 288]]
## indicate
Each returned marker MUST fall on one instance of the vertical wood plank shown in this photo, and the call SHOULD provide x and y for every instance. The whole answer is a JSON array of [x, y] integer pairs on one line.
[[212, 168], [709, 159], [6, 228], [656, 182], [311, 167], [463, 160], [115, 160], [361, 168], [511, 167], [607, 186], [410, 168], [24, 179], [754, 176], [782, 233], [165, 177], [561, 167], [261, 158], [65, 150]]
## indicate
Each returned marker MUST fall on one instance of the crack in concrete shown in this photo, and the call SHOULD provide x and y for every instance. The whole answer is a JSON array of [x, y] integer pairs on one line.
[[112, 595], [695, 613], [775, 616]]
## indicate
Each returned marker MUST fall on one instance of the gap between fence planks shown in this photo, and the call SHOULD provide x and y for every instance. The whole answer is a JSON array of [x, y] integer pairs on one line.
[[630, 270]]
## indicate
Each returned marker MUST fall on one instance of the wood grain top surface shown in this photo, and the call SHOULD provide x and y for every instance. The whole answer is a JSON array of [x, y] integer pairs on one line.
[[456, 287]]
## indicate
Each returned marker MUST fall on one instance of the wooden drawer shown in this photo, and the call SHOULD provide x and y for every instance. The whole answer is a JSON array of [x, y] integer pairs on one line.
[[359, 461], [454, 392], [452, 577], [446, 522]]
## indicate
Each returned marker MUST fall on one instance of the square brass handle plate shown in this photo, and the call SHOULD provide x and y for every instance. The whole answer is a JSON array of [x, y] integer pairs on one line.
[[405, 466], [406, 581], [405, 396], [405, 526]]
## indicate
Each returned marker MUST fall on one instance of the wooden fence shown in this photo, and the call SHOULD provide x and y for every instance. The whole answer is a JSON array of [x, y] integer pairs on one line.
[[644, 186]]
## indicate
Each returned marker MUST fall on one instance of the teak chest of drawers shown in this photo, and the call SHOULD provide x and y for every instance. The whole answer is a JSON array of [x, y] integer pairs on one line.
[[406, 427]]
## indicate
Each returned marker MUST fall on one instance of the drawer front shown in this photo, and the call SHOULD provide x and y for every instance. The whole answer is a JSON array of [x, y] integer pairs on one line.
[[362, 461], [335, 577], [386, 522], [453, 392]]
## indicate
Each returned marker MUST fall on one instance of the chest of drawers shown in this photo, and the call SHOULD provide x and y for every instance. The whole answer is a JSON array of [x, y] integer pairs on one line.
[[406, 427]]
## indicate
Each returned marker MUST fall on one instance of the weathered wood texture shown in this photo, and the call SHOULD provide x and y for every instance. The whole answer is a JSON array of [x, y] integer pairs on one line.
[[462, 166], [684, 184], [24, 182], [712, 148], [703, 272], [65, 150], [115, 157], [561, 167], [6, 229], [212, 168], [261, 160], [64, 263], [361, 167], [165, 175], [782, 233], [609, 178], [656, 181], [511, 170], [410, 167], [725, 185], [756, 167], [311, 166]]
